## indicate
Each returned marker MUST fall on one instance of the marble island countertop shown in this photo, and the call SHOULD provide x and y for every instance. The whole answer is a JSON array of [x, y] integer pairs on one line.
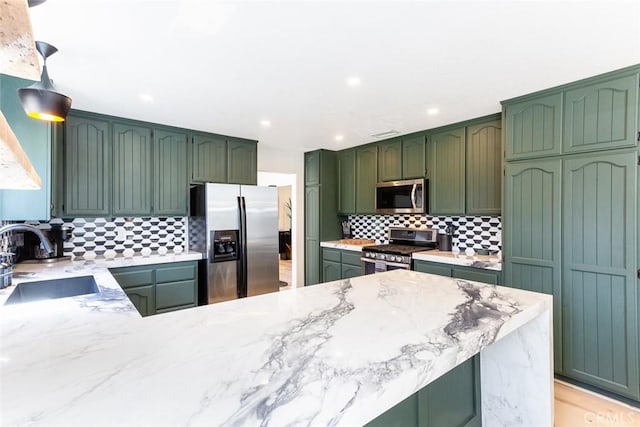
[[339, 353]]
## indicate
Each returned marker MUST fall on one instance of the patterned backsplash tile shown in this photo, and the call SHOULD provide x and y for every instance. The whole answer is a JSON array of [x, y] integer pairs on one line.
[[470, 231], [108, 237]]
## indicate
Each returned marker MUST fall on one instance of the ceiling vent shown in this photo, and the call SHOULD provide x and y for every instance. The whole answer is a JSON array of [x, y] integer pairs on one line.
[[385, 134]]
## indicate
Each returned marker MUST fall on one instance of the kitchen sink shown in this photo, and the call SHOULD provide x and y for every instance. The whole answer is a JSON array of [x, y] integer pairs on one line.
[[52, 289]]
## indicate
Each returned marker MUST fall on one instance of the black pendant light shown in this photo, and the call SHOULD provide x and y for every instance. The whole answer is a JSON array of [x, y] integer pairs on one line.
[[41, 100]]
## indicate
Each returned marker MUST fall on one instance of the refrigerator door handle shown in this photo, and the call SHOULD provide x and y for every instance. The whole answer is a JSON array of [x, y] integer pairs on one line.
[[242, 251]]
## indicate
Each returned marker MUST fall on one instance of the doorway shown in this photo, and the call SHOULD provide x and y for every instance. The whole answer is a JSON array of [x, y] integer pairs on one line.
[[285, 184]]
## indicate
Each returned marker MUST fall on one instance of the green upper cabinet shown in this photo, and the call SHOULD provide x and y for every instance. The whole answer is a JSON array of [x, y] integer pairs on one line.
[[169, 173], [347, 182], [35, 138], [366, 178], [390, 160], [532, 234], [601, 115], [87, 166], [600, 292], [413, 157], [401, 158], [447, 185], [131, 170], [209, 159], [312, 168], [533, 127], [242, 162], [483, 169]]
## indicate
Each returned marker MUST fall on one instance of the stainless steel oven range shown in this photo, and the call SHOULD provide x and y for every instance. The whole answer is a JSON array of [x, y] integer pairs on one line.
[[397, 253]]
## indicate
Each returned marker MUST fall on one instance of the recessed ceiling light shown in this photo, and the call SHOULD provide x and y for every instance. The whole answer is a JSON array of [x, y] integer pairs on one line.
[[432, 111], [353, 81], [339, 137], [265, 123], [145, 97]]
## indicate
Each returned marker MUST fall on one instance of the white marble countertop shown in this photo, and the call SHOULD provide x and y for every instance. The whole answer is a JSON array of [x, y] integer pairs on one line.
[[488, 262], [339, 353], [348, 244]]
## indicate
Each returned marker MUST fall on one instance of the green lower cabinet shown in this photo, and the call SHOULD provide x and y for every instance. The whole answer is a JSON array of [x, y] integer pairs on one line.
[[340, 264], [452, 400], [476, 275], [349, 271], [459, 272], [432, 268], [159, 288], [331, 271], [143, 298]]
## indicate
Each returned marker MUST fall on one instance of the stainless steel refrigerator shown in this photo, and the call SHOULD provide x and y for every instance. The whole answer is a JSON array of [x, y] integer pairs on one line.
[[237, 227]]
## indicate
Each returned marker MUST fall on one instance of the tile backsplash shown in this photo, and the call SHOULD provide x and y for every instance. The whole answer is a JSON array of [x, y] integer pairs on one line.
[[108, 237], [470, 231]]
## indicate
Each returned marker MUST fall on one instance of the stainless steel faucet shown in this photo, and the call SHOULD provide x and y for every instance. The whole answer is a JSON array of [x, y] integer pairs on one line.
[[6, 269], [26, 227]]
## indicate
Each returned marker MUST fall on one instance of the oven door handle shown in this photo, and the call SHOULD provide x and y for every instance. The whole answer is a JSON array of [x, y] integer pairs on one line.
[[392, 264]]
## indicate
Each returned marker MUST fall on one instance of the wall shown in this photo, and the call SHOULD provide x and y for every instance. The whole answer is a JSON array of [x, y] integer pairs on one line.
[[284, 198], [292, 162]]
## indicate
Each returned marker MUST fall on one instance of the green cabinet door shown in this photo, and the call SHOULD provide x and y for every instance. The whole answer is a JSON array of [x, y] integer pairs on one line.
[[483, 169], [601, 116], [390, 160], [453, 400], [347, 182], [533, 127], [242, 162], [208, 159], [35, 138], [600, 292], [413, 157], [131, 170], [349, 271], [366, 178], [312, 168], [447, 185], [170, 186], [87, 167], [143, 298], [532, 234], [331, 271], [312, 235]]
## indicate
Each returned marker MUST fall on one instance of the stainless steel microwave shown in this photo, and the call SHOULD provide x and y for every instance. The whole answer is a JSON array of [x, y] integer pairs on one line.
[[408, 196]]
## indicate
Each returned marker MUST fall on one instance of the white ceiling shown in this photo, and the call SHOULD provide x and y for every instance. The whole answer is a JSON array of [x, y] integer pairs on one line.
[[225, 66]]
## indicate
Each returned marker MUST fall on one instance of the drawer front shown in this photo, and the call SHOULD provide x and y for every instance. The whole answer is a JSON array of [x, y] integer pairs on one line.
[[476, 275], [127, 278], [351, 258], [426, 267], [181, 307], [174, 294], [331, 254], [176, 273]]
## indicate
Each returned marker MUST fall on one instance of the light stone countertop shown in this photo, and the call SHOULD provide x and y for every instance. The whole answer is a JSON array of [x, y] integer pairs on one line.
[[348, 244], [487, 262], [338, 353]]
